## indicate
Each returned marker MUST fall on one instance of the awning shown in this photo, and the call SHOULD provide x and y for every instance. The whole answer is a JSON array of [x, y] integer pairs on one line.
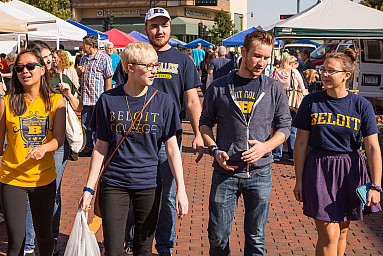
[[188, 26], [89, 31]]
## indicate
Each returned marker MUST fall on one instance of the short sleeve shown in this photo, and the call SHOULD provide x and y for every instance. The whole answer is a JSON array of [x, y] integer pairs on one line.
[[368, 122], [108, 70], [211, 65], [172, 125], [120, 77], [302, 119], [192, 79], [232, 65], [99, 120]]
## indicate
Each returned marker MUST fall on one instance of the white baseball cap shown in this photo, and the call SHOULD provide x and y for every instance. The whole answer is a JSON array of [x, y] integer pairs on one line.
[[156, 12]]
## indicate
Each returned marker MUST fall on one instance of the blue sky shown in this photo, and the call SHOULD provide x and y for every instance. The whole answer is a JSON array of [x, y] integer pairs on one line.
[[266, 12]]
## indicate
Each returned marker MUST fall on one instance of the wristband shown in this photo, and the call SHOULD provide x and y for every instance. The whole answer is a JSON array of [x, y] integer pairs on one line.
[[215, 152], [376, 187], [211, 149], [91, 191]]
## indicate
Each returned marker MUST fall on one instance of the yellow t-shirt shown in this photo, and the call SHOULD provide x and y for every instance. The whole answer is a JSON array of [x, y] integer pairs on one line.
[[32, 129]]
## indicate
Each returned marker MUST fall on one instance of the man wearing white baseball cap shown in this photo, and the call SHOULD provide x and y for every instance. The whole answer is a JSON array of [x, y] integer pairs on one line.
[[178, 77]]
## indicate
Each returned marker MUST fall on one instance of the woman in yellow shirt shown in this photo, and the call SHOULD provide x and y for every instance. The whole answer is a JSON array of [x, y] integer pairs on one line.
[[34, 118]]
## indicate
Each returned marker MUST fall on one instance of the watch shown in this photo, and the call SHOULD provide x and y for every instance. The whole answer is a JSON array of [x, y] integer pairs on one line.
[[211, 149]]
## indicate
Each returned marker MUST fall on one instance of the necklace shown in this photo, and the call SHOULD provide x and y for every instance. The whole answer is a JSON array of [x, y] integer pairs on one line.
[[130, 114], [29, 98]]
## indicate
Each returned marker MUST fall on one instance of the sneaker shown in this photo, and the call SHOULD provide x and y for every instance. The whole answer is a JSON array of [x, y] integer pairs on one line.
[[29, 253], [85, 153], [291, 159], [56, 250], [73, 156], [164, 254], [128, 250], [276, 159]]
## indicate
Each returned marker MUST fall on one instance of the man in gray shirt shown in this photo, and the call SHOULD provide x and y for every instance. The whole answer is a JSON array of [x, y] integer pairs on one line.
[[220, 66]]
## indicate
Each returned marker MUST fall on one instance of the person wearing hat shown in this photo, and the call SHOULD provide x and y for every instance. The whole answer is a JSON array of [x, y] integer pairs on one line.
[[178, 77], [285, 52]]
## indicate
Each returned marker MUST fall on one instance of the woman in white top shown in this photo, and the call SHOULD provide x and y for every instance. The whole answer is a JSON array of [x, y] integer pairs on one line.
[[288, 76]]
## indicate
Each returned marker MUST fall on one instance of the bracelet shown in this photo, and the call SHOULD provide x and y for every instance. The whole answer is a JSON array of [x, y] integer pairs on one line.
[[91, 191], [215, 152], [376, 187]]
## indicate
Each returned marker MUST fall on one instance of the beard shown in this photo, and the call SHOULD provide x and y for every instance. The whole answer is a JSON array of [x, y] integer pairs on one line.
[[158, 44], [251, 70]]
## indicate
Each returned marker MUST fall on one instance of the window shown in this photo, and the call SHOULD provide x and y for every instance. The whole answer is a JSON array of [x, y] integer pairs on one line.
[[372, 51]]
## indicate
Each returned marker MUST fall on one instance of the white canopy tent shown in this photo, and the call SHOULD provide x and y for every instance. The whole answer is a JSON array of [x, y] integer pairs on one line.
[[41, 25], [332, 19]]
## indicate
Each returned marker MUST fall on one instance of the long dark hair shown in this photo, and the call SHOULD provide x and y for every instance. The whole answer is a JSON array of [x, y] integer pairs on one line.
[[17, 103]]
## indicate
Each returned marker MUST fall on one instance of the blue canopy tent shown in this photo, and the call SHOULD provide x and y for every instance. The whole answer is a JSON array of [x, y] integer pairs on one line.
[[306, 42], [238, 38], [279, 43], [194, 43], [90, 31], [177, 43], [140, 37]]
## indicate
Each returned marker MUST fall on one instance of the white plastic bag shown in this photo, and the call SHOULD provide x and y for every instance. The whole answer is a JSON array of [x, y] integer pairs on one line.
[[82, 241]]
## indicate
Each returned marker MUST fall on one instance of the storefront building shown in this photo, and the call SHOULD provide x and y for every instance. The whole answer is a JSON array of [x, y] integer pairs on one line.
[[129, 15]]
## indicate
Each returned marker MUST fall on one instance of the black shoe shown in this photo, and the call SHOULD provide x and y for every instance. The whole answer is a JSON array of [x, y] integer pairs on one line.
[[85, 153], [73, 156], [56, 250]]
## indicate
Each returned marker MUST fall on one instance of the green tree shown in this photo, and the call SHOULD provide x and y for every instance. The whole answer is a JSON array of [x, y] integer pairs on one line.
[[376, 4], [223, 27], [56, 7]]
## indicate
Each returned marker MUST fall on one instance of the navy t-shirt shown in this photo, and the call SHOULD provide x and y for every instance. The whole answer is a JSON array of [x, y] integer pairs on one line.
[[134, 165], [221, 67], [246, 90], [176, 75], [335, 124]]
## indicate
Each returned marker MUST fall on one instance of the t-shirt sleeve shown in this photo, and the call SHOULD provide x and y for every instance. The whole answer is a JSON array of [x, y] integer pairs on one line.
[[98, 122], [368, 122], [120, 77], [208, 115], [172, 124], [108, 70], [192, 79], [67, 80], [211, 65], [302, 119], [232, 66]]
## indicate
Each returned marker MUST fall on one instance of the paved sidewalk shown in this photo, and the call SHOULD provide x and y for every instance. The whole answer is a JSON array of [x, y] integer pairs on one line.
[[288, 231]]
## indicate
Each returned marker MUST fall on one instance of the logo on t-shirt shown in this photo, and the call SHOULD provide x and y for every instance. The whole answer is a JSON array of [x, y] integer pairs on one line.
[[245, 100], [33, 129], [146, 123], [165, 67], [337, 120]]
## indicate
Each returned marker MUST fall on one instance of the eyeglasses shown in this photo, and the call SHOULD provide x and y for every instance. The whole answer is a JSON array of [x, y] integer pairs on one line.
[[149, 67], [330, 72], [30, 66]]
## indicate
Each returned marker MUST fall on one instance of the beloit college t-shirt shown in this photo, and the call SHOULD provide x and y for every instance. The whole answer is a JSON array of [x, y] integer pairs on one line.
[[134, 165]]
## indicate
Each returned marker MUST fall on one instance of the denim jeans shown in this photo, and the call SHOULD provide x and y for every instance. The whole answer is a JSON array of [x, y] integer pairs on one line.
[[224, 194], [61, 159], [277, 152], [86, 117], [166, 226]]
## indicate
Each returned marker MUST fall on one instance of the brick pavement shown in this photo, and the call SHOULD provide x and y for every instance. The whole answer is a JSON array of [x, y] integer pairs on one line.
[[288, 231]]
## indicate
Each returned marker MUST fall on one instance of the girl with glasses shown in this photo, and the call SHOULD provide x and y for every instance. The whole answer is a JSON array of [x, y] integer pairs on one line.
[[330, 123], [34, 118], [132, 174]]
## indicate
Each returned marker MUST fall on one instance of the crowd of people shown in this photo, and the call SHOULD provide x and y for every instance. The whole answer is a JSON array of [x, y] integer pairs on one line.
[[131, 106]]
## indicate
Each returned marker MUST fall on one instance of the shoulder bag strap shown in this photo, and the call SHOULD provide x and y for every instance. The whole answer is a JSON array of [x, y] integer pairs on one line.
[[123, 138]]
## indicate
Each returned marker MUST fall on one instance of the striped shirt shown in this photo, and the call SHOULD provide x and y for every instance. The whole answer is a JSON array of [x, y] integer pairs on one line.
[[98, 68]]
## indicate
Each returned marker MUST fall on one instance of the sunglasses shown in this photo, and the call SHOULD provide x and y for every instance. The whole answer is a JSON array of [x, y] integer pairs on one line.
[[30, 66]]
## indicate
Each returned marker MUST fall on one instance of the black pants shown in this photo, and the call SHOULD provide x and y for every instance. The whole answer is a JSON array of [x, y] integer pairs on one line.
[[14, 205], [114, 210]]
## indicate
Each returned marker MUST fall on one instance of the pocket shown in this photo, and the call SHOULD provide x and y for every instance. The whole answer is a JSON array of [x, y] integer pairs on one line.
[[264, 172]]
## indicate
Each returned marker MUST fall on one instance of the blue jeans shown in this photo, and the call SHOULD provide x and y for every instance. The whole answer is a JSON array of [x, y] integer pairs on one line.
[[86, 117], [224, 194], [61, 159], [277, 152], [166, 226]]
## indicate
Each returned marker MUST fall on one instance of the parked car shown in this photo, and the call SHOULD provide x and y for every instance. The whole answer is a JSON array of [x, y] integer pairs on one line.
[[294, 47], [318, 56]]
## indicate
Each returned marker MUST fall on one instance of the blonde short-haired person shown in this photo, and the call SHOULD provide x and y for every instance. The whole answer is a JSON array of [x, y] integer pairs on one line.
[[132, 173]]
